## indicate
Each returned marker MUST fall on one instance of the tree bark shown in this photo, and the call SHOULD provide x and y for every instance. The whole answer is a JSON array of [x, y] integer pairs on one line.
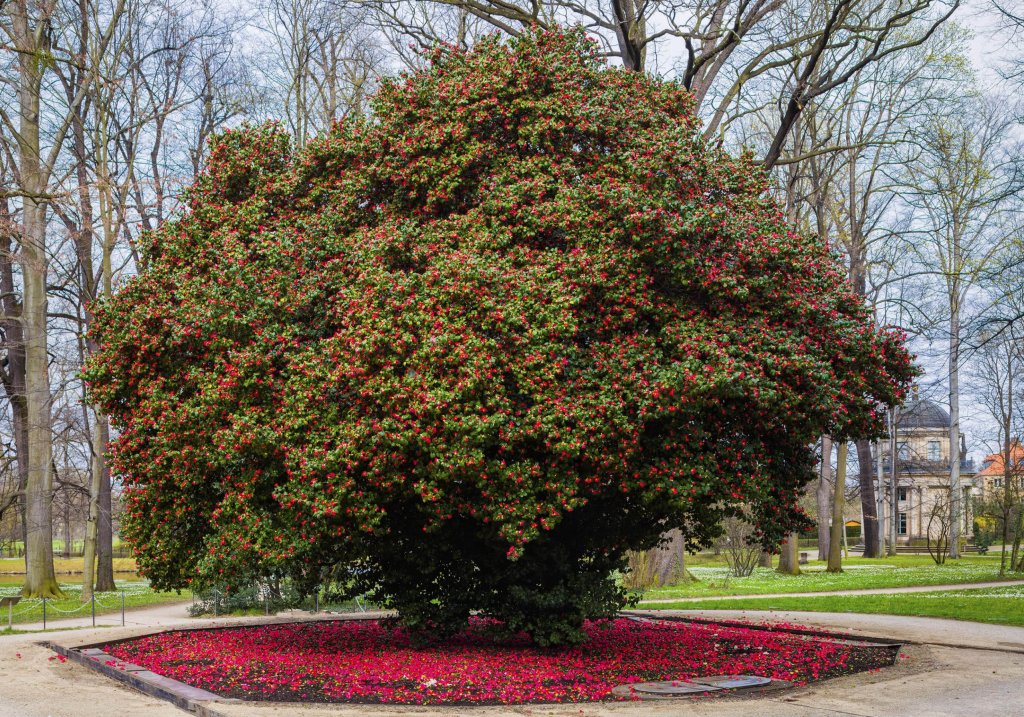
[[954, 425], [789, 557], [822, 495], [670, 558], [868, 504], [89, 551], [13, 373], [105, 532], [835, 553]]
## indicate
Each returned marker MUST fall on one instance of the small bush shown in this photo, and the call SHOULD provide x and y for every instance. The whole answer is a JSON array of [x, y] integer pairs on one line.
[[742, 553]]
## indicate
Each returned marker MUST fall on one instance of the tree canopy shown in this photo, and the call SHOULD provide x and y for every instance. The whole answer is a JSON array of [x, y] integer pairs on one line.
[[467, 352]]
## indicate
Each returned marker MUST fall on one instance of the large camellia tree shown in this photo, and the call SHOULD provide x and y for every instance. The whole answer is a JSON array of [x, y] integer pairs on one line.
[[467, 352]]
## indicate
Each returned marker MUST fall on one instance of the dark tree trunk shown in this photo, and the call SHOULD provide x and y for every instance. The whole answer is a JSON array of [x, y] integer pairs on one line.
[[12, 372], [104, 529], [868, 505]]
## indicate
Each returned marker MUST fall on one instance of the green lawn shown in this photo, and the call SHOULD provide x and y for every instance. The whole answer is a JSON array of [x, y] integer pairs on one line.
[[62, 566], [1004, 606], [136, 594], [858, 573]]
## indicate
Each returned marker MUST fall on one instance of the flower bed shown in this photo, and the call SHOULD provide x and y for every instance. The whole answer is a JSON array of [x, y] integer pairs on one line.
[[367, 662]]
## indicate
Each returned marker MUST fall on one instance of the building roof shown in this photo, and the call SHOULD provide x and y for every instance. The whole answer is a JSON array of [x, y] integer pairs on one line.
[[993, 465], [923, 414]]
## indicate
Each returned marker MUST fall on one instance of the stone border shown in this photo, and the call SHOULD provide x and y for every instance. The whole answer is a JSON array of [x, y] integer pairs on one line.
[[200, 702], [189, 698], [180, 694]]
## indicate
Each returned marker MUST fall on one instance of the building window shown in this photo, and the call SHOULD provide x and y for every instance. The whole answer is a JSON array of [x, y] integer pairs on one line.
[[997, 482], [903, 450], [933, 451], [901, 494], [903, 523]]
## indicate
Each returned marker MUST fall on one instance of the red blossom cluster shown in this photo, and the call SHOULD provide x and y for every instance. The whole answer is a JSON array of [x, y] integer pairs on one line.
[[365, 661]]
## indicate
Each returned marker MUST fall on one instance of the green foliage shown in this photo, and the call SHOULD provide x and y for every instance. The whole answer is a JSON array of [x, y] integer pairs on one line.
[[473, 350], [983, 536]]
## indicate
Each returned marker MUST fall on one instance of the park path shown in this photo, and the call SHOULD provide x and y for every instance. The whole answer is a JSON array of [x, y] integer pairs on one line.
[[164, 615], [177, 612], [863, 591], [151, 616]]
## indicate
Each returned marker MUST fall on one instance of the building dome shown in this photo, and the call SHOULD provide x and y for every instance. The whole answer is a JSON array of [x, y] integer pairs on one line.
[[923, 414]]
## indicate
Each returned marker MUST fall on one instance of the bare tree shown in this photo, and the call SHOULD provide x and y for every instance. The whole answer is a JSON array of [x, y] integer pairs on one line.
[[29, 27], [880, 107], [783, 53], [323, 62], [959, 180], [997, 369]]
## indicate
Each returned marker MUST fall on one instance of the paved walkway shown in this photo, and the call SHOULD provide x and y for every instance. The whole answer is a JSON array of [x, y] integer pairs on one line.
[[866, 591], [961, 669]]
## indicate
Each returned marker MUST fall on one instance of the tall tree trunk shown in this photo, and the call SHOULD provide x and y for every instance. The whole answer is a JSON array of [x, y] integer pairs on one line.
[[1008, 478], [40, 580], [857, 250], [880, 497], [105, 533], [822, 494], [954, 428], [13, 373], [868, 504], [835, 553], [98, 554], [97, 571]]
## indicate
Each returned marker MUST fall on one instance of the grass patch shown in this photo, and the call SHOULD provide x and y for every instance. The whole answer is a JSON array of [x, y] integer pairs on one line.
[[1002, 606], [858, 574], [136, 595], [63, 566]]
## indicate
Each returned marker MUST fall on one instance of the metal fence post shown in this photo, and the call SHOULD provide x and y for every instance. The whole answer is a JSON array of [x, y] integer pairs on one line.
[[44, 613], [316, 600], [122, 608], [94, 609]]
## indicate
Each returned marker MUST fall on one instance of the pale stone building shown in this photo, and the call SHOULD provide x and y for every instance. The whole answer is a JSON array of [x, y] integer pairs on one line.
[[922, 472]]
